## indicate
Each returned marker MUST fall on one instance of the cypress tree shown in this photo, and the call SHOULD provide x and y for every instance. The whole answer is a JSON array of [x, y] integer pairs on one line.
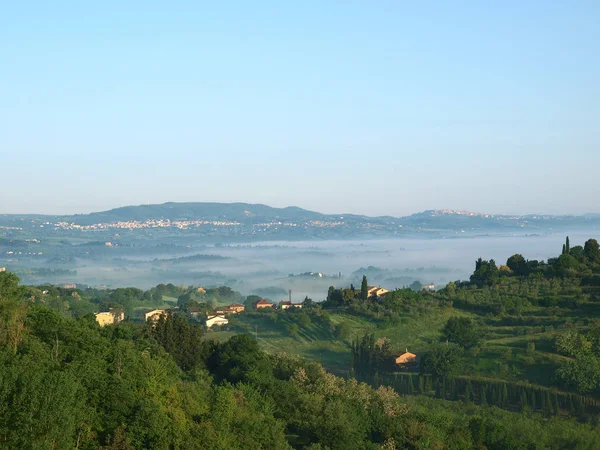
[[428, 386], [548, 404], [483, 395], [572, 410], [555, 405], [543, 402], [504, 395], [364, 288], [532, 402], [568, 246], [564, 250], [411, 387], [523, 400], [453, 389], [468, 392]]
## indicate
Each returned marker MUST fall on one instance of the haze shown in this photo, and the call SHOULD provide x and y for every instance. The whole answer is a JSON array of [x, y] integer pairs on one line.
[[333, 106]]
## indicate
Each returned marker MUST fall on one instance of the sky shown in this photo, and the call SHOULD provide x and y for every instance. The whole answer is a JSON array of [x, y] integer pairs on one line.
[[378, 108]]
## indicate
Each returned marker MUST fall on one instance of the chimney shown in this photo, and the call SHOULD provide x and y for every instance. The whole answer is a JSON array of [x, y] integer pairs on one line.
[[290, 294]]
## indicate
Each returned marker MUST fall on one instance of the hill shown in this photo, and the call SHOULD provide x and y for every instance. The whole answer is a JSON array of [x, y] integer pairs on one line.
[[245, 221], [239, 212]]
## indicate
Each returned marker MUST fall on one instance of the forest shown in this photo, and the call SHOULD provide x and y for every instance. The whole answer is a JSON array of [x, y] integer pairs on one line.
[[509, 359]]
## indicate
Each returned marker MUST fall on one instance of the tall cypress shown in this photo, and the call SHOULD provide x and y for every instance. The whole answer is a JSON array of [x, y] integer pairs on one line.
[[453, 389], [411, 387], [364, 288], [483, 395], [564, 250], [428, 384], [568, 246], [504, 396], [468, 392], [532, 402], [523, 399], [547, 404], [555, 405]]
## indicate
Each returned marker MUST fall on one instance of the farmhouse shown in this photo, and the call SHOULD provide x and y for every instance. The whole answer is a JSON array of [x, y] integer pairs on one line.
[[406, 358], [376, 291], [109, 317], [285, 304], [154, 315], [216, 320], [263, 304]]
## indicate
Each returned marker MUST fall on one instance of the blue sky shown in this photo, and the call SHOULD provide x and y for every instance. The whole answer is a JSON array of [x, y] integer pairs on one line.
[[337, 106]]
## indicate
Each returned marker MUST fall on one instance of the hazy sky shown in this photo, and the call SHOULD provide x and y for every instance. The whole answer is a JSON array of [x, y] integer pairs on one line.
[[337, 106]]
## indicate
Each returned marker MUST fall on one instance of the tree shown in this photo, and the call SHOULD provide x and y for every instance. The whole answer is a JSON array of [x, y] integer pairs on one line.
[[485, 274], [462, 331], [250, 301], [517, 264], [591, 250], [441, 361], [292, 330], [179, 338], [583, 373], [468, 392], [566, 265], [343, 330], [572, 343], [308, 303], [577, 252], [416, 285], [567, 246], [364, 288]]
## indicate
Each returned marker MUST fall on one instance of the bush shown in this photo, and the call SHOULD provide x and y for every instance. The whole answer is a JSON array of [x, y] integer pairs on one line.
[[343, 331]]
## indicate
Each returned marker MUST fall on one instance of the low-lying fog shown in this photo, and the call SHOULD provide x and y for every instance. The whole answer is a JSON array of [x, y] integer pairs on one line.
[[264, 268]]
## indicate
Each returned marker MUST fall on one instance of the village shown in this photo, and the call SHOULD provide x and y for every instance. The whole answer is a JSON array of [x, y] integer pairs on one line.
[[219, 317]]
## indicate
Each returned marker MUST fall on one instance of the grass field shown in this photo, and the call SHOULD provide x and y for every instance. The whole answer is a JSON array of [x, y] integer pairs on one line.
[[503, 354], [317, 344]]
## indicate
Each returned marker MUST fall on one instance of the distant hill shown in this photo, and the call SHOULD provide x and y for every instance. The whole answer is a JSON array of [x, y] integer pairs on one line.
[[245, 221], [239, 212]]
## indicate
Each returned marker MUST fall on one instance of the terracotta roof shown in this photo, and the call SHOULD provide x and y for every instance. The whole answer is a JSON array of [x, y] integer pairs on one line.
[[263, 302]]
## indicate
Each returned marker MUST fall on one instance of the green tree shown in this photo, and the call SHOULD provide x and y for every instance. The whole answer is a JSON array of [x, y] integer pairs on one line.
[[577, 252], [468, 392], [343, 330], [250, 301], [483, 395], [517, 264], [462, 331], [591, 250], [364, 288], [583, 373], [441, 362], [292, 330]]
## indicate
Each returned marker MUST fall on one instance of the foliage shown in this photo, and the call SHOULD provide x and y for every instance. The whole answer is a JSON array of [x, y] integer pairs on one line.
[[441, 361], [462, 331]]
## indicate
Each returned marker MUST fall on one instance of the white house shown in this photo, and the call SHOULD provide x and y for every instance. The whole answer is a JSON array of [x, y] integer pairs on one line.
[[216, 320]]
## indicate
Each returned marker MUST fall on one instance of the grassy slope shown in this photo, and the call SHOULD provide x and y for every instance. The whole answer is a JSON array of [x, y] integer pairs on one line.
[[315, 343]]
